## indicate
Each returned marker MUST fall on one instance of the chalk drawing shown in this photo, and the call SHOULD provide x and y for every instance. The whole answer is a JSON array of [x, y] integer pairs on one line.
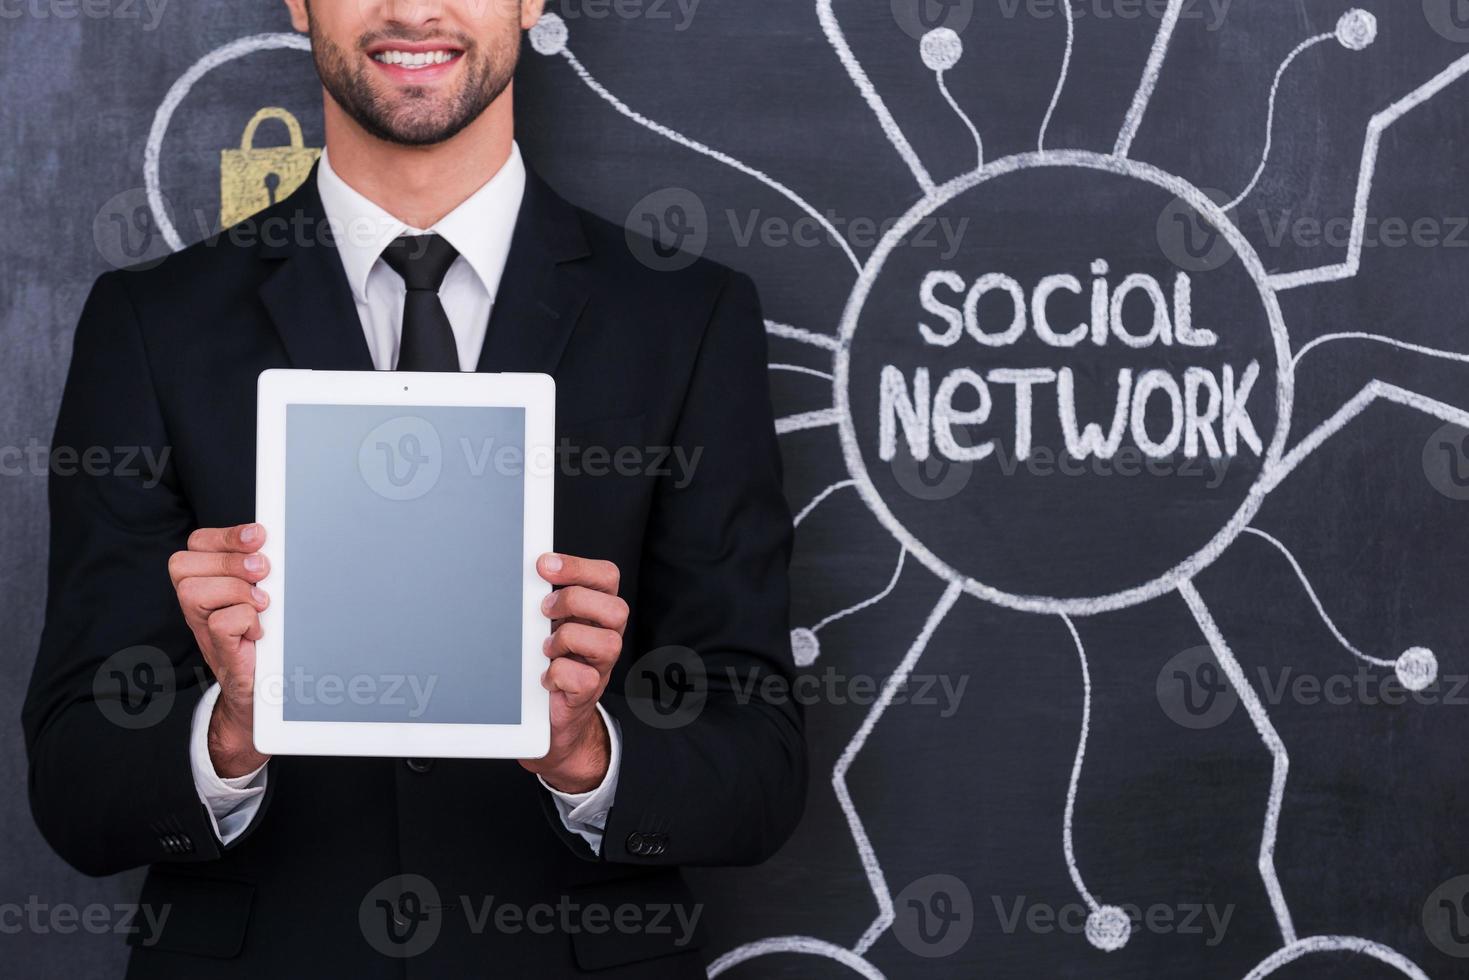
[[1040, 141]]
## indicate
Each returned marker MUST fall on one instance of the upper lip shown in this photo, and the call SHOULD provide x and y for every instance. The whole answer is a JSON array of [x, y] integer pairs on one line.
[[413, 47]]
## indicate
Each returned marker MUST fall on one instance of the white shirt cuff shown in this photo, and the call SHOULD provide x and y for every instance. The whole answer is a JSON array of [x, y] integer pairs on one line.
[[585, 814], [232, 803]]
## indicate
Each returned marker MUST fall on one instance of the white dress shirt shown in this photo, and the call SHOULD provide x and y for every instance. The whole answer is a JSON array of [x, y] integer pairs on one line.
[[480, 230]]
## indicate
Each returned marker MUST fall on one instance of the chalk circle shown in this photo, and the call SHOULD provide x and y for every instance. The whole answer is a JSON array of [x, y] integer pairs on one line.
[[1356, 29], [1108, 928], [941, 49], [805, 647], [799, 945], [1335, 944], [549, 34], [1084, 161], [1417, 668], [176, 94]]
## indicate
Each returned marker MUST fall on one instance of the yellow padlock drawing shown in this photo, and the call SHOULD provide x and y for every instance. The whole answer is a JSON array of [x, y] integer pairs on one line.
[[253, 178]]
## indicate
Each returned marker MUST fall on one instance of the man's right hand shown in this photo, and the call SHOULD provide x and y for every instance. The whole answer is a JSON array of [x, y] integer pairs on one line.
[[215, 581]]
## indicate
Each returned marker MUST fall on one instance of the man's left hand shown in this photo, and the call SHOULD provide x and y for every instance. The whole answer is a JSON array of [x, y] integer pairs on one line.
[[587, 622]]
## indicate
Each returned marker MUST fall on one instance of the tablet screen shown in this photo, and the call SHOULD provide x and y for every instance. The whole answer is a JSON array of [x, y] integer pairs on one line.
[[406, 549]]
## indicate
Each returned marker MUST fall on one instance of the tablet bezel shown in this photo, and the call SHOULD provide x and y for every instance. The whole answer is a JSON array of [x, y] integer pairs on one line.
[[278, 388]]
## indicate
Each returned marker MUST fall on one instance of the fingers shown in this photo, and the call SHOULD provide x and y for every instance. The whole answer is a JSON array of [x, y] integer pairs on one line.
[[580, 683], [228, 626], [601, 576], [191, 564], [598, 648], [582, 603], [199, 597], [242, 538]]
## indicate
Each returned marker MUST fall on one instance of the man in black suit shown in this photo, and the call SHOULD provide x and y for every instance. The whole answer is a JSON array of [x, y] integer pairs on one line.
[[421, 242]]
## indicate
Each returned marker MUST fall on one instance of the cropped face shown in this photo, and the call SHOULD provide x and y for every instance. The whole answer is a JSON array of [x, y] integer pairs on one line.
[[414, 72]]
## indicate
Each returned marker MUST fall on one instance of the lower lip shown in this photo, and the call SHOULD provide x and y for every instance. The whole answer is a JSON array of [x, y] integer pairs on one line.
[[418, 76]]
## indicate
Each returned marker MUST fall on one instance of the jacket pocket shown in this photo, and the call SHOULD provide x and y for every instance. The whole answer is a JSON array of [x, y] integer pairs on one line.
[[645, 918], [194, 915]]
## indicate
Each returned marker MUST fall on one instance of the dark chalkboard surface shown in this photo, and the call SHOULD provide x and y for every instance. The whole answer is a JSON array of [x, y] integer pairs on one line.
[[1119, 355]]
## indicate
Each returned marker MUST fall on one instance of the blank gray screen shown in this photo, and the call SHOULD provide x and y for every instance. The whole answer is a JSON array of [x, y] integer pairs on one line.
[[405, 538]]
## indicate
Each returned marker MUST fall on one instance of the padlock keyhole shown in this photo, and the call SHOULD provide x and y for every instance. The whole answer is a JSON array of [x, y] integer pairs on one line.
[[272, 184]]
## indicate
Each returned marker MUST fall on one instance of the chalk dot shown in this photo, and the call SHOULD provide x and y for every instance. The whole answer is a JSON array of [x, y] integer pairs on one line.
[[805, 647], [549, 34], [1416, 668], [1108, 928], [1356, 29], [941, 49]]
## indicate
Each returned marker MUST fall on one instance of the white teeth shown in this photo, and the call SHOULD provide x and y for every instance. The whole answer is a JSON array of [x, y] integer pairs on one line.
[[414, 59]]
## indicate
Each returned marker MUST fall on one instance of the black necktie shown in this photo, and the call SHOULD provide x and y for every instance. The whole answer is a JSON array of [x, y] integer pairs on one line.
[[427, 342]]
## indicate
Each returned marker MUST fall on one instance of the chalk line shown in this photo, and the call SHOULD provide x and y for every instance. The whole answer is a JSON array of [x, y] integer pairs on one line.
[[1336, 944], [1086, 724], [963, 117], [800, 369], [718, 155], [1379, 124], [899, 677], [890, 128], [795, 944], [803, 336], [1149, 82], [1329, 338], [1305, 45], [806, 420], [805, 511], [1040, 143], [874, 600], [1315, 601], [1279, 756], [1358, 403]]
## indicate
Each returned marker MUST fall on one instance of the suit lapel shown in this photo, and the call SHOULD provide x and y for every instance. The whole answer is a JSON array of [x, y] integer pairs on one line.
[[306, 294], [541, 296]]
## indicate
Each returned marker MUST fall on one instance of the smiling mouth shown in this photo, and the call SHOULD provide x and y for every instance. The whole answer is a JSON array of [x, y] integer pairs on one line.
[[415, 60]]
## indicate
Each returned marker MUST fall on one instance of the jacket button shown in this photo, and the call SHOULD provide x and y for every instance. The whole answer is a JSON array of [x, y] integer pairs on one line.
[[635, 843], [419, 765]]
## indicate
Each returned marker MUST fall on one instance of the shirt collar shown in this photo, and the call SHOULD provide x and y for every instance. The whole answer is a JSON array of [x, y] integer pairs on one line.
[[480, 228]]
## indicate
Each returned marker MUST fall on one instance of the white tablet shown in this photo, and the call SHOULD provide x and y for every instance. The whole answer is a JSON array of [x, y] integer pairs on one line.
[[404, 513]]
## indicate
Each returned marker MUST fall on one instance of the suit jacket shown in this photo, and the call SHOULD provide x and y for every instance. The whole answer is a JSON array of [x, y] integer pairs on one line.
[[346, 852]]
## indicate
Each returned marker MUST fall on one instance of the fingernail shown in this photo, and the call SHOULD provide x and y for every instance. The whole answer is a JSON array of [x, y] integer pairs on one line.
[[250, 534], [254, 563], [546, 646], [553, 563], [548, 602], [259, 596]]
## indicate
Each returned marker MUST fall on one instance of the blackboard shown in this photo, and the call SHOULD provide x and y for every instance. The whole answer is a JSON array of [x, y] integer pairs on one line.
[[1144, 714]]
